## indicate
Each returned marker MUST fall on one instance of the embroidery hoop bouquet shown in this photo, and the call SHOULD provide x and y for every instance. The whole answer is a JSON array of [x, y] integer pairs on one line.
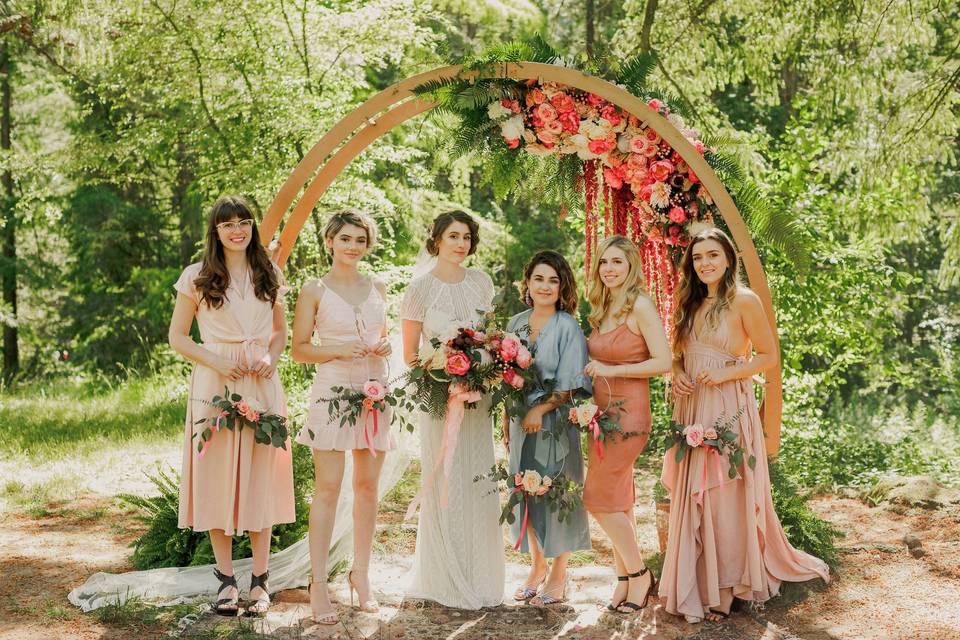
[[234, 410], [559, 493], [715, 441]]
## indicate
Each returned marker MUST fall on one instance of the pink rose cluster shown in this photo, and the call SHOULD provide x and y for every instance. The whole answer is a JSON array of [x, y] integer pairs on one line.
[[512, 356], [664, 191], [246, 411]]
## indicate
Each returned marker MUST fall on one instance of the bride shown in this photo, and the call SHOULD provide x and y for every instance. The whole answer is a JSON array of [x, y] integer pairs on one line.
[[459, 559]]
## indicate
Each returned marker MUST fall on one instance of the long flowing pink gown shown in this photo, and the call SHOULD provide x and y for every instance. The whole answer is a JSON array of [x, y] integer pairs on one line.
[[238, 485], [730, 536]]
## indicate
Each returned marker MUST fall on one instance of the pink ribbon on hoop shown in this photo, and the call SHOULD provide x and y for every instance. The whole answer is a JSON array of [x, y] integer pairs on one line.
[[703, 479], [594, 426], [366, 429], [216, 427], [523, 526], [458, 397]]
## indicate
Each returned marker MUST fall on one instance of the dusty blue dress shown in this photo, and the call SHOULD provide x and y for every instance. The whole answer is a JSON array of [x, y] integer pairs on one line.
[[560, 354]]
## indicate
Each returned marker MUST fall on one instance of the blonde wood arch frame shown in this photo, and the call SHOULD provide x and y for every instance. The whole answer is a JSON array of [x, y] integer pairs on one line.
[[397, 104]]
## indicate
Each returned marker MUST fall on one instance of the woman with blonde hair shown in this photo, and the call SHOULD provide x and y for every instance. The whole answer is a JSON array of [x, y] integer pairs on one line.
[[347, 312], [725, 538], [627, 347]]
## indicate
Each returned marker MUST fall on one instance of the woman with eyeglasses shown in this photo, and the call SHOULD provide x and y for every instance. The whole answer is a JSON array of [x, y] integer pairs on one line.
[[234, 485], [347, 311]]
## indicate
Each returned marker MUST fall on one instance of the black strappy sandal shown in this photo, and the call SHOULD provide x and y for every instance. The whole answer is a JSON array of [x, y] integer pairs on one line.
[[261, 604], [632, 606], [610, 605], [714, 612], [226, 606]]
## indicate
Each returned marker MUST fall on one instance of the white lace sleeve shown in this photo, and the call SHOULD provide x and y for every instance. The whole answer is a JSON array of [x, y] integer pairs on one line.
[[414, 303], [486, 289]]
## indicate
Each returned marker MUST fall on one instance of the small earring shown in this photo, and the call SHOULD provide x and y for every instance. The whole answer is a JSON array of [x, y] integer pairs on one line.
[[528, 299]]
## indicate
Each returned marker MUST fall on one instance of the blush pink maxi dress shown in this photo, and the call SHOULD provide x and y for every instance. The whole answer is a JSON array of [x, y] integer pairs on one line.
[[728, 535], [238, 485]]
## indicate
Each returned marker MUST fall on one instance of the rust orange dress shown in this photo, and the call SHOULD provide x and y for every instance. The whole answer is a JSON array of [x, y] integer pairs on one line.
[[609, 486]]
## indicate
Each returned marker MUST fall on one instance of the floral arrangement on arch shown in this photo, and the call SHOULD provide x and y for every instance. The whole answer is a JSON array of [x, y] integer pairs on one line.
[[634, 182]]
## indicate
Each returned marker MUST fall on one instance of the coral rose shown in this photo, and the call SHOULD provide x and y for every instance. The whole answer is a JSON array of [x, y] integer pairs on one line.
[[458, 363], [694, 435], [374, 390]]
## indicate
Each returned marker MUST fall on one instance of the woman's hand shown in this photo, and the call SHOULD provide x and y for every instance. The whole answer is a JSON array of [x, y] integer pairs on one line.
[[382, 349], [682, 384], [228, 368], [264, 367], [352, 349], [712, 377], [533, 421], [595, 368]]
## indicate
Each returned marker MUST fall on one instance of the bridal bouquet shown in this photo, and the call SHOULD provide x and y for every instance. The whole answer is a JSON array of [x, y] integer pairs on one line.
[[468, 361], [349, 404], [717, 440], [233, 410], [597, 424], [559, 493]]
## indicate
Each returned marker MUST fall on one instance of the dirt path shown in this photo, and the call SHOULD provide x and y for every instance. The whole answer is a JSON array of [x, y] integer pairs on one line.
[[881, 592]]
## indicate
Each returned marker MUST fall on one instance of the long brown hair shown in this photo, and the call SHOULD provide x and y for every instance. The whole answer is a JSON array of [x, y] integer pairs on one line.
[[692, 291], [213, 280], [567, 299], [599, 294]]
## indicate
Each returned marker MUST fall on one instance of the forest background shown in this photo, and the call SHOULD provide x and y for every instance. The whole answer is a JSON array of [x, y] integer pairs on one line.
[[123, 120]]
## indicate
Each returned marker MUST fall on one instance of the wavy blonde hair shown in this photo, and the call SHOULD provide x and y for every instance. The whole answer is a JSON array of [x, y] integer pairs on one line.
[[692, 292], [598, 294]]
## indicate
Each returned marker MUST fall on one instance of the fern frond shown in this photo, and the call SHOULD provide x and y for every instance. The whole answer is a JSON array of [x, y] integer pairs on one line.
[[726, 167], [634, 72]]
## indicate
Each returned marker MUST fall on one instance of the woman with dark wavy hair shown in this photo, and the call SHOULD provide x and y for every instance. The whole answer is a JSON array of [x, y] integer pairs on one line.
[[234, 485], [543, 439], [725, 538]]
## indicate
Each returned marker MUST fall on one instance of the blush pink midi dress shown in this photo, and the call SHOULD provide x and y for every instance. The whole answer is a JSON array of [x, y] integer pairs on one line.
[[238, 485]]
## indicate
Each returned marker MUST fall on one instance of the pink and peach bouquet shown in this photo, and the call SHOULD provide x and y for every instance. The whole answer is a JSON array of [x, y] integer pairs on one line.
[[371, 402], [478, 358], [231, 410], [599, 425], [718, 439], [559, 493]]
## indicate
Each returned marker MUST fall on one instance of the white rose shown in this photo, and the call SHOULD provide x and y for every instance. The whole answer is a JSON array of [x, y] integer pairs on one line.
[[676, 121], [255, 404], [585, 413], [623, 143], [531, 481], [496, 110], [426, 352], [439, 360], [547, 482], [512, 128]]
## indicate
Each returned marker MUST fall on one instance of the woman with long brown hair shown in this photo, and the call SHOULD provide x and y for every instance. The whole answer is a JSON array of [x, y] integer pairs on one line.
[[725, 538], [234, 485], [627, 348]]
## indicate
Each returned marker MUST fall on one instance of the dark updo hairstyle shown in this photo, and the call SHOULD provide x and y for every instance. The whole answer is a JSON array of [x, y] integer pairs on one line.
[[567, 299], [214, 278], [443, 221]]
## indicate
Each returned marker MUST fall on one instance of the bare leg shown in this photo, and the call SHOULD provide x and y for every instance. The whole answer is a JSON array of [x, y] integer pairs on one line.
[[223, 552], [328, 474], [366, 477], [260, 545], [621, 529], [538, 567]]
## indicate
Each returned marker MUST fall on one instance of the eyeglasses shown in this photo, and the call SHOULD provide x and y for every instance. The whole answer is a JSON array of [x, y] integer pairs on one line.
[[236, 225]]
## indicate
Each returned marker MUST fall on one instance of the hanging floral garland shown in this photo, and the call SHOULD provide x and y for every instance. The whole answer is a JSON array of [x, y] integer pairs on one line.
[[632, 182]]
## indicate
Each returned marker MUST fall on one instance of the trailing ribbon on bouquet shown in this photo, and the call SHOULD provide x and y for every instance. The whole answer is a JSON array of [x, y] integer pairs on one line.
[[371, 407], [706, 462], [215, 428], [458, 397], [526, 515], [597, 440]]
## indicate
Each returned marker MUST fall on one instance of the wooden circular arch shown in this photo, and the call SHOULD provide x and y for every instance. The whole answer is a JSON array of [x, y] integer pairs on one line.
[[397, 104]]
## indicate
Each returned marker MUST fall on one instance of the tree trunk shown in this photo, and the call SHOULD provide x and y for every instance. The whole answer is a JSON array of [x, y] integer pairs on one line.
[[11, 351], [185, 207], [590, 28]]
